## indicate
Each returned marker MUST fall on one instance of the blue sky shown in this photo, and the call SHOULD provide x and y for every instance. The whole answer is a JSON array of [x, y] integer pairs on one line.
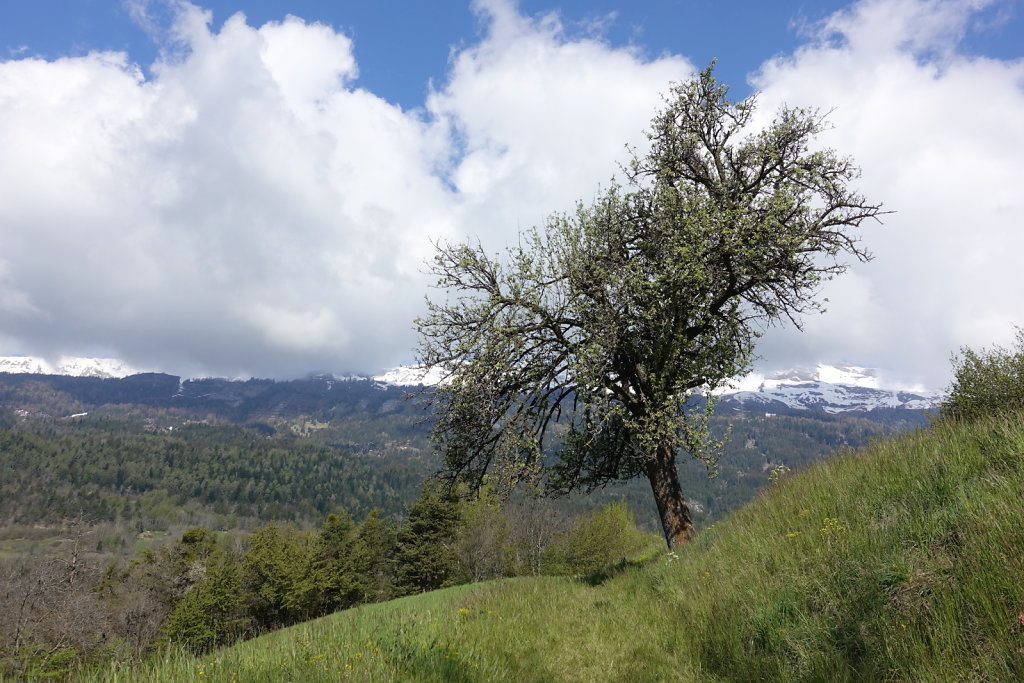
[[203, 193], [401, 46]]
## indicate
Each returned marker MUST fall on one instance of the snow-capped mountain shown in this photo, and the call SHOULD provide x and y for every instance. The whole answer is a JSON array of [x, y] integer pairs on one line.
[[828, 388], [67, 365]]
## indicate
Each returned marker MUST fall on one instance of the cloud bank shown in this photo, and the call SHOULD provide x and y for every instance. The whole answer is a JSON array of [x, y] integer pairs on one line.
[[248, 209], [939, 136]]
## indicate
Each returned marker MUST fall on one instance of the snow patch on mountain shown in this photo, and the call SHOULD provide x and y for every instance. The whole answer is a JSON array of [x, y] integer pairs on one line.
[[847, 375], [411, 376], [67, 365], [829, 388]]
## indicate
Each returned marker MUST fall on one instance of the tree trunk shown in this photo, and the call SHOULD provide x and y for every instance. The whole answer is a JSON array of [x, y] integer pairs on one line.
[[675, 514]]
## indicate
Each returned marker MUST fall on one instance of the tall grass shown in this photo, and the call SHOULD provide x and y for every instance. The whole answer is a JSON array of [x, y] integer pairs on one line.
[[903, 562]]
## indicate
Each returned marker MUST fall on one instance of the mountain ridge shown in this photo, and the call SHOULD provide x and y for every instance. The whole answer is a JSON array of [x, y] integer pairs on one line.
[[824, 388]]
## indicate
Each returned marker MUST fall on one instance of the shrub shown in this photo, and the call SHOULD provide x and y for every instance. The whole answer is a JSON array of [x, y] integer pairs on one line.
[[986, 382], [484, 543], [596, 541]]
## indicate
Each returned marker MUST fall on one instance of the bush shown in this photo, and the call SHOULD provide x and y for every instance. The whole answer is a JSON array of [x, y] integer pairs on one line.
[[986, 382], [596, 541]]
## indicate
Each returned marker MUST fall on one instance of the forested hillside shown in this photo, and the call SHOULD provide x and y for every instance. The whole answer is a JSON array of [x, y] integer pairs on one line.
[[222, 475], [159, 453]]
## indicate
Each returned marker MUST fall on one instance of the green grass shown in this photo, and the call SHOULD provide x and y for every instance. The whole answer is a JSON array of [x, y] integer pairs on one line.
[[903, 562]]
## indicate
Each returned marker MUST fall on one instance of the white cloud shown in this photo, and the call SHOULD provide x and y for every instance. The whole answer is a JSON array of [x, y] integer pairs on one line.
[[940, 139], [249, 210], [541, 119]]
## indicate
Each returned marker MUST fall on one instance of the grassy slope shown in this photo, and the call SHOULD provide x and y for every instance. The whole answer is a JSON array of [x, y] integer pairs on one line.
[[902, 562]]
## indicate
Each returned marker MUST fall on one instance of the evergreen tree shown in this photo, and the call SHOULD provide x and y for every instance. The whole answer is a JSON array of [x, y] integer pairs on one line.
[[425, 558], [272, 575], [374, 549], [211, 614], [333, 581], [170, 572]]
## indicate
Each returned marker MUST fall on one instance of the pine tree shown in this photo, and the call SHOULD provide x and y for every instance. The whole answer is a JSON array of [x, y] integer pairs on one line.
[[374, 549], [272, 575], [425, 557], [211, 614], [333, 581]]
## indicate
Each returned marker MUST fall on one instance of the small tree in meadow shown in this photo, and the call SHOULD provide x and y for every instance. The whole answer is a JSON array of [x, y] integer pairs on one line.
[[986, 382]]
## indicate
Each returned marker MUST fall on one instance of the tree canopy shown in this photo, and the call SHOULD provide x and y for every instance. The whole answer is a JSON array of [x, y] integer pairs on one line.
[[588, 352]]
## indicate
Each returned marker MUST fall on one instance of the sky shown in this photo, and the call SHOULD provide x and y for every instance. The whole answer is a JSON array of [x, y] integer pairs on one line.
[[241, 188]]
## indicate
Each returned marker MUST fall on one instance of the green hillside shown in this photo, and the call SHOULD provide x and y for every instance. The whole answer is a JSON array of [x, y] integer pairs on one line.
[[900, 562]]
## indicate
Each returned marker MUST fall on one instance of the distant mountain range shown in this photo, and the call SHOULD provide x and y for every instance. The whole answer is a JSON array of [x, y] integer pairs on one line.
[[825, 388]]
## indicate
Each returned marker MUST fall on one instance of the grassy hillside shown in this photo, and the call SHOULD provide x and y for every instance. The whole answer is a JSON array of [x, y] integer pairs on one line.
[[901, 562]]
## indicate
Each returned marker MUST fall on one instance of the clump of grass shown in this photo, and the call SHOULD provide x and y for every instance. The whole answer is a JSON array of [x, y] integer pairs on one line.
[[900, 562]]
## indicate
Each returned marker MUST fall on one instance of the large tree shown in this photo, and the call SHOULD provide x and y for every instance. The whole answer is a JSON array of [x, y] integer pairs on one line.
[[586, 354]]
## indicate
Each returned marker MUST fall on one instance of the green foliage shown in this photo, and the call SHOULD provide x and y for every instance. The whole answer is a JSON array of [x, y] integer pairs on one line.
[[44, 664], [485, 543], [374, 557], [986, 382], [597, 541], [284, 576], [171, 571], [595, 336], [336, 578], [109, 470]]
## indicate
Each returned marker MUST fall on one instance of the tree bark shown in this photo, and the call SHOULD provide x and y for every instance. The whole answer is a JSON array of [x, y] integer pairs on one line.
[[676, 522]]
